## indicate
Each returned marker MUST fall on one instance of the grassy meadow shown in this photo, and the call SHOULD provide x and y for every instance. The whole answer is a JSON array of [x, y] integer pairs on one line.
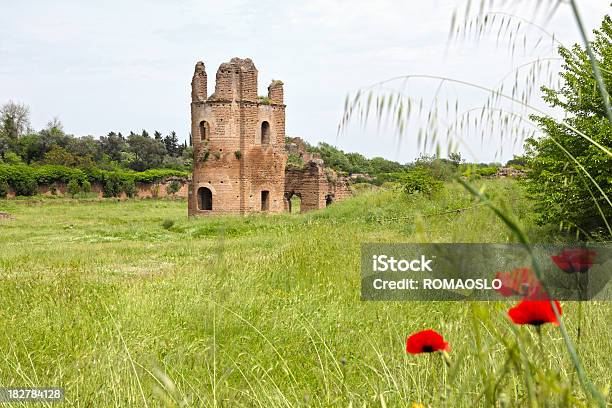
[[122, 307]]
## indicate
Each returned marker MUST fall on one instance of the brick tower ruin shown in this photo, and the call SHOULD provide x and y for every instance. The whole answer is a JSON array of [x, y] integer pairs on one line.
[[240, 157], [239, 142]]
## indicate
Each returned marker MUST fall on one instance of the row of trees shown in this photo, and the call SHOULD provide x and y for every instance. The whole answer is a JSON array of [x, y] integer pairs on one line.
[[380, 170], [136, 151]]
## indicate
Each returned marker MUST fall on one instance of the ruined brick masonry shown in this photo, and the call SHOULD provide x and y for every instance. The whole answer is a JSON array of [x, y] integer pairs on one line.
[[240, 161]]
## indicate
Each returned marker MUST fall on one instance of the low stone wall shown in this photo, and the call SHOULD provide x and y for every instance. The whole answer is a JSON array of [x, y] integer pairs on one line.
[[143, 190]]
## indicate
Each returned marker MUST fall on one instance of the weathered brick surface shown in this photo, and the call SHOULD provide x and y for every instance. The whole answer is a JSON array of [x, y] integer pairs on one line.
[[316, 186], [199, 83], [239, 148], [275, 91]]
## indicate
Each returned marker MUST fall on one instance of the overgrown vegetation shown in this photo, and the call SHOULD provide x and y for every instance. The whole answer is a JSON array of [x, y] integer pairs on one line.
[[26, 179], [391, 105], [379, 170], [149, 294], [570, 176]]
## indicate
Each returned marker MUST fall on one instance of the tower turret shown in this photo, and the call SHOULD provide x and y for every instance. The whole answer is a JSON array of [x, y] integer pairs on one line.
[[236, 80], [275, 91], [199, 83]]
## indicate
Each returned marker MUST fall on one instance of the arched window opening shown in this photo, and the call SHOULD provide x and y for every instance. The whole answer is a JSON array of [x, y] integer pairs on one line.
[[204, 131], [265, 133], [204, 199], [265, 200]]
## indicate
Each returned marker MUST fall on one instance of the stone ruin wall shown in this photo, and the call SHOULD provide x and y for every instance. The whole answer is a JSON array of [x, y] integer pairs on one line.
[[239, 167], [217, 157], [316, 186], [231, 159]]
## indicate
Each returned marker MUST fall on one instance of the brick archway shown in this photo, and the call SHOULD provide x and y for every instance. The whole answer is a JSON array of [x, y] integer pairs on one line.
[[289, 206], [205, 199]]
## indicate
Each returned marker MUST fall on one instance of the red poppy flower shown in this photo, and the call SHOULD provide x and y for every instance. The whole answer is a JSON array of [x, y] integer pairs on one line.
[[575, 260], [520, 282], [534, 312], [426, 341]]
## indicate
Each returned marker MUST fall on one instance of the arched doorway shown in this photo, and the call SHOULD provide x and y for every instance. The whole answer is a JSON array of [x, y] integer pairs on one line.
[[329, 199], [204, 199], [293, 203]]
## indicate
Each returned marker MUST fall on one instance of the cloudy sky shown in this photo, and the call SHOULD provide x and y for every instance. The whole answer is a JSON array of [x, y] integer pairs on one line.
[[127, 65]]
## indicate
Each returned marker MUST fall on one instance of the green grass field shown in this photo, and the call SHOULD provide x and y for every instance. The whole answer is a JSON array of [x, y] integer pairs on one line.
[[99, 298]]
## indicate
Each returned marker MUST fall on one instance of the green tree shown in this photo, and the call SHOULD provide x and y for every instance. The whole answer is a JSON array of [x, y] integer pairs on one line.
[[560, 159], [85, 146], [30, 148], [333, 157], [172, 144], [113, 145], [59, 155], [14, 119], [148, 152]]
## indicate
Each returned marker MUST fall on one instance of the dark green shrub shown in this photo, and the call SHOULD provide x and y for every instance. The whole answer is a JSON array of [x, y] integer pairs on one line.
[[487, 171], [128, 187], [294, 160], [4, 188], [48, 174], [22, 178], [111, 186], [421, 180], [151, 176], [173, 187], [117, 182], [475, 171], [167, 224], [86, 186], [73, 187], [24, 185]]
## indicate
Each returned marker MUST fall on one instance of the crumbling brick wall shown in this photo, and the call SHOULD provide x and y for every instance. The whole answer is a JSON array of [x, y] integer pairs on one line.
[[316, 186], [239, 148], [238, 139]]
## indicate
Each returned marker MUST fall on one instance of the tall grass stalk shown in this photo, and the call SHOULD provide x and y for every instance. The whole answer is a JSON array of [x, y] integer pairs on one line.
[[393, 106]]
